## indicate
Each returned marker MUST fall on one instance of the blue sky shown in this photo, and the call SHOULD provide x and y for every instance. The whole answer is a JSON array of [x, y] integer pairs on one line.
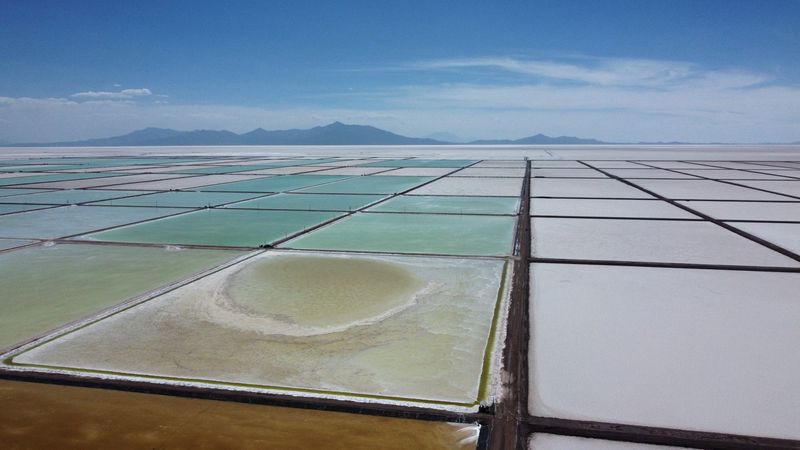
[[613, 70]]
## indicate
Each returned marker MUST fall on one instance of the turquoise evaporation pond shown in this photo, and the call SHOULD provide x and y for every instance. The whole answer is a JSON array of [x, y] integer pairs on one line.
[[8, 192], [11, 243], [369, 185], [53, 177], [225, 169], [454, 163], [13, 208], [449, 204], [38, 168], [43, 287], [220, 227], [310, 202], [417, 233], [68, 196], [70, 220], [279, 183], [187, 199]]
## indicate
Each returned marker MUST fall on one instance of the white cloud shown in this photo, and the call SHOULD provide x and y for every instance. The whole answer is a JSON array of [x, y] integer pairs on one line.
[[124, 94], [624, 72]]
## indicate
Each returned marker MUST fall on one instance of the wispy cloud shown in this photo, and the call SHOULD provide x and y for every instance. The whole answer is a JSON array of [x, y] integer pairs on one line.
[[620, 72], [620, 100], [124, 94]]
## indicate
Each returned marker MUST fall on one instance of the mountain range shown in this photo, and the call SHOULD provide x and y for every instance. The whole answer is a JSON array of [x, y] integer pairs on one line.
[[335, 133]]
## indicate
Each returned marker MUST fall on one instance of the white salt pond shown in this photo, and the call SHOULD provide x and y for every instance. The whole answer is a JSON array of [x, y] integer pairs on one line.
[[695, 349], [543, 441], [662, 241]]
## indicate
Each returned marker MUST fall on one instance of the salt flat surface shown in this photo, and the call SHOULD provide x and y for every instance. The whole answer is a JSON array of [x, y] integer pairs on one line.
[[7, 175], [606, 208], [647, 173], [734, 164], [422, 162], [542, 441], [567, 173], [548, 187], [559, 164], [725, 174], [786, 235], [350, 171], [703, 350], [783, 187], [403, 327], [780, 211], [777, 153], [507, 187], [678, 165], [643, 240], [491, 172], [782, 164], [785, 173], [501, 163], [704, 190], [418, 171], [605, 164]]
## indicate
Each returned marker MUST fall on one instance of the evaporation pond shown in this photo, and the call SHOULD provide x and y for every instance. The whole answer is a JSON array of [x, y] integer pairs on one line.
[[43, 287], [454, 163], [68, 196], [8, 192], [70, 220], [14, 208], [43, 416], [401, 327], [320, 202], [372, 184], [11, 243], [52, 177], [413, 233], [222, 227], [273, 184], [190, 199], [452, 205]]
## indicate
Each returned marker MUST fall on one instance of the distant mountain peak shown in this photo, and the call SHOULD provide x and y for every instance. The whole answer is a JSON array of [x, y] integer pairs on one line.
[[336, 133]]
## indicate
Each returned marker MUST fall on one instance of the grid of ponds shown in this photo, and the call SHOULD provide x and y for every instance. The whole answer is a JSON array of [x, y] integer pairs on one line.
[[655, 288], [664, 297]]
